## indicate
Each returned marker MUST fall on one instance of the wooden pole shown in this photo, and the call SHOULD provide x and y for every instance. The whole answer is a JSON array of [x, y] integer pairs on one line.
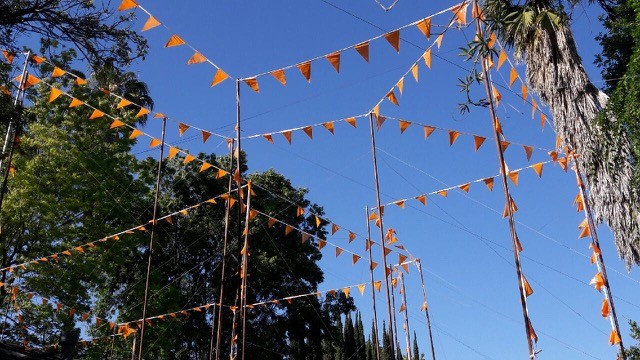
[[407, 332], [153, 231], [394, 330], [613, 317], [373, 290], [224, 263], [426, 309], [508, 199], [245, 272], [391, 349]]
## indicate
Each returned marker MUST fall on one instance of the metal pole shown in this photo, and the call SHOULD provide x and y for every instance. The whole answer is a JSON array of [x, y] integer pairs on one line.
[[426, 308], [508, 199], [153, 231], [613, 318], [373, 290], [392, 351], [224, 264]]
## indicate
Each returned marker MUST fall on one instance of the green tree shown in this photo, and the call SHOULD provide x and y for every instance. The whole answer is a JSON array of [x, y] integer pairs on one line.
[[349, 339], [361, 347], [416, 350], [633, 352], [540, 34]]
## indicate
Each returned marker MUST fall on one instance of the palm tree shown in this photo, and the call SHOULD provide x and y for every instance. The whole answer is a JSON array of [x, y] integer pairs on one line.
[[540, 35]]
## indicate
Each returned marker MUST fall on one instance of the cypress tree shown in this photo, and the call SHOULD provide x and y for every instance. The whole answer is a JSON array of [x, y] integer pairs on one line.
[[416, 350], [349, 338]]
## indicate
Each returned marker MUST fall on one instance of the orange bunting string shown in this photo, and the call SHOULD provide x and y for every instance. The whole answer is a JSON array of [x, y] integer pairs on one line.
[[363, 50]]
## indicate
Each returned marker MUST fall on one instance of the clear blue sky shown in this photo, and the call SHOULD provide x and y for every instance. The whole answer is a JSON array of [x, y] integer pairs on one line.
[[463, 243]]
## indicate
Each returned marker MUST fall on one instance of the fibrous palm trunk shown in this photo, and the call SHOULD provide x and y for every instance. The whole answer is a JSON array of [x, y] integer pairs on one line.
[[556, 74]]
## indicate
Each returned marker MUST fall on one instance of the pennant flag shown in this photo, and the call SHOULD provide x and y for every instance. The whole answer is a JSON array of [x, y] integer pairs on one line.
[[379, 121], [443, 193], [392, 98], [501, 58], [339, 251], [55, 93], [334, 228], [174, 40], [368, 244], [318, 221], [159, 115], [465, 187], [8, 55], [142, 112], [614, 338], [538, 168], [253, 84], [80, 81], [29, 82], [524, 92], [513, 75], [268, 137], [280, 76], [527, 288], [305, 70], [427, 58], [496, 94], [414, 72], [321, 244], [205, 136], [514, 177], [126, 5], [150, 23], [489, 183], [173, 151], [534, 107], [404, 125], [182, 128], [400, 203], [123, 102], [400, 85], [271, 222], [221, 76], [439, 40], [95, 114], [154, 142], [116, 123], [57, 72], [528, 150], [196, 58], [329, 126], [460, 12], [376, 285], [221, 173], [597, 281], [205, 166], [532, 332], [355, 258], [334, 60], [346, 291], [352, 121], [422, 199], [287, 135], [477, 141], [453, 135], [309, 131], [586, 231], [428, 130], [304, 237], [299, 211], [363, 50], [504, 145], [287, 229], [188, 158], [518, 245], [605, 310], [425, 27], [361, 289], [394, 39]]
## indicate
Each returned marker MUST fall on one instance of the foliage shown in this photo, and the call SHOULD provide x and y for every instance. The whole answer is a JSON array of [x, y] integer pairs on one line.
[[633, 352]]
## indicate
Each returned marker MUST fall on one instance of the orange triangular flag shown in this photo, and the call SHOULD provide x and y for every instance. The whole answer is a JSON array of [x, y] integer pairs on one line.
[[305, 70], [422, 199], [586, 232], [55, 93], [57, 72], [309, 131], [268, 137], [496, 94], [205, 136], [8, 55], [122, 103], [334, 228], [352, 236], [253, 84], [528, 150], [142, 112], [280, 76], [514, 177], [126, 5], [75, 102], [135, 133], [504, 145], [513, 75], [339, 251], [614, 338], [534, 107], [394, 39], [95, 114], [173, 151], [538, 168], [425, 27], [271, 222], [221, 173], [287, 229], [501, 58], [605, 310], [196, 58], [453, 135], [527, 288], [404, 125], [182, 128], [174, 40], [524, 92], [80, 81], [334, 60], [116, 123], [400, 85], [392, 98], [299, 211], [318, 221], [329, 126], [352, 121], [465, 187], [379, 121], [287, 135], [492, 40], [376, 285], [355, 258], [478, 140], [489, 183], [361, 289], [221, 76], [400, 203], [150, 23], [188, 158], [414, 72], [439, 40], [321, 244], [304, 237], [363, 50], [205, 166], [154, 142], [443, 193], [428, 130], [427, 58], [460, 13]]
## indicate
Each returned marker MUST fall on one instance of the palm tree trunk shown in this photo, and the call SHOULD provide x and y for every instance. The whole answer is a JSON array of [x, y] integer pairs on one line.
[[556, 74]]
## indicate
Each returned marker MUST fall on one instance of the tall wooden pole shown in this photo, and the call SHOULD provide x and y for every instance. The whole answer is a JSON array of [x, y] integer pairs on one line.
[[391, 349], [425, 307], [407, 332], [373, 290], [245, 272], [613, 317], [224, 263], [394, 329], [507, 195], [153, 231]]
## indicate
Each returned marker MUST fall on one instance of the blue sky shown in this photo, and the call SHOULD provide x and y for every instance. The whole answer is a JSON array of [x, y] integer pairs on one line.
[[462, 240]]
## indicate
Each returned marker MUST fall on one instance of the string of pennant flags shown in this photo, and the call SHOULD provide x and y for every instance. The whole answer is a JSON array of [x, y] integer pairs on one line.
[[307, 129], [175, 40], [124, 102], [85, 343], [82, 249], [362, 48]]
